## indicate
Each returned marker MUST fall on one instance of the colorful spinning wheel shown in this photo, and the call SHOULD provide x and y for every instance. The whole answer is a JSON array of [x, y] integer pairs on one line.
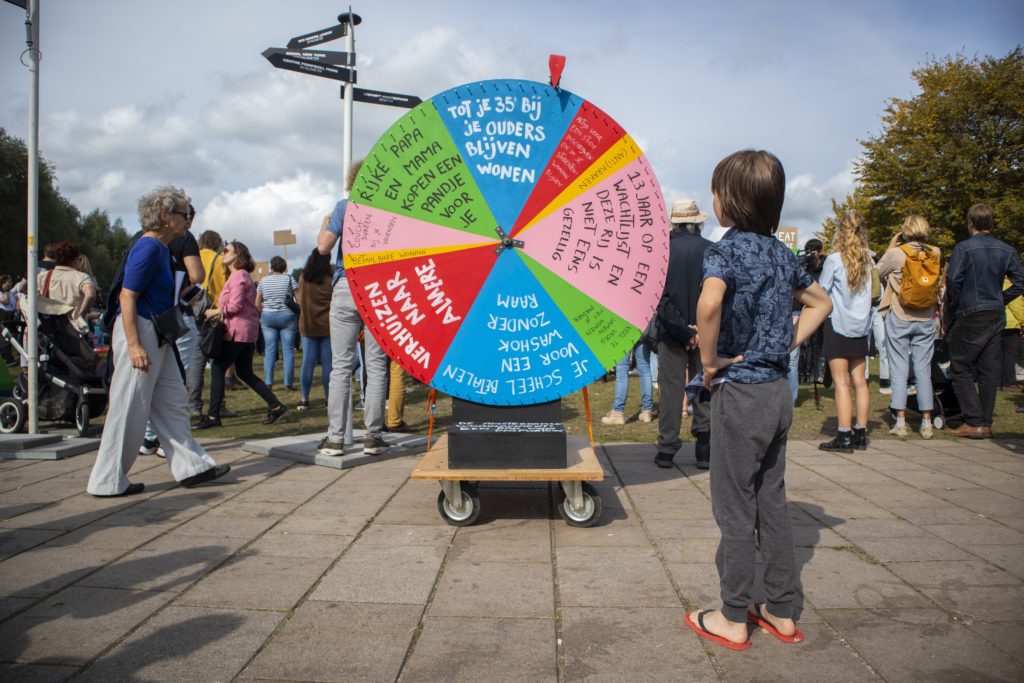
[[506, 242]]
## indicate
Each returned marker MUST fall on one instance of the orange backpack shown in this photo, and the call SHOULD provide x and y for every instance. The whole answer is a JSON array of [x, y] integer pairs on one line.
[[921, 278]]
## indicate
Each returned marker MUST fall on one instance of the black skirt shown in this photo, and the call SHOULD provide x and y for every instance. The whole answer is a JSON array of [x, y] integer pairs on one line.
[[836, 345]]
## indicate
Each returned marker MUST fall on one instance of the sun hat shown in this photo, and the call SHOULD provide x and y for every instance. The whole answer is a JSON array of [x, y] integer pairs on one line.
[[686, 211]]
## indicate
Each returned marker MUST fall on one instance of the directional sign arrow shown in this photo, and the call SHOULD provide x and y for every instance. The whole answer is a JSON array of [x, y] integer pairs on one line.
[[318, 56], [391, 99], [317, 37], [305, 66]]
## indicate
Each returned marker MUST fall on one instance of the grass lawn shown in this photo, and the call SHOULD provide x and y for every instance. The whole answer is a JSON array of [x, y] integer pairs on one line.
[[809, 422]]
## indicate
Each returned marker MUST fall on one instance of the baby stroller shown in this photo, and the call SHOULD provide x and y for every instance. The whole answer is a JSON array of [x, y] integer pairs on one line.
[[946, 407], [72, 376]]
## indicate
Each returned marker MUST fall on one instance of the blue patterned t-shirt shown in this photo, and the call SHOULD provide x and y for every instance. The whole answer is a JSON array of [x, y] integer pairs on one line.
[[760, 274]]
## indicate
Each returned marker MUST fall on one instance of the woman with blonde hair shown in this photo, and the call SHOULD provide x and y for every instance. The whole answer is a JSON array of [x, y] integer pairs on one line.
[[909, 332], [846, 277]]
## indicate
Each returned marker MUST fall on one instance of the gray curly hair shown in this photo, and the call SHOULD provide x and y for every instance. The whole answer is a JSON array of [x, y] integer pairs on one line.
[[162, 200]]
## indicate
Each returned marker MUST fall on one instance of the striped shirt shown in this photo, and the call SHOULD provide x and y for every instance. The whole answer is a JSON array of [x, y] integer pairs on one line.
[[274, 289]]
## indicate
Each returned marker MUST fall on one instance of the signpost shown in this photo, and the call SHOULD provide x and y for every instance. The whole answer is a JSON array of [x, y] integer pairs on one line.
[[324, 35], [338, 66], [319, 56], [390, 99], [309, 66]]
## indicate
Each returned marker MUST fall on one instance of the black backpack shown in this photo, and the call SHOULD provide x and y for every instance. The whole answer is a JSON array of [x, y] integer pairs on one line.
[[114, 293]]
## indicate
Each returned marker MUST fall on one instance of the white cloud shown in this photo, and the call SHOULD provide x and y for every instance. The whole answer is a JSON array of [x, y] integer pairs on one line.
[[251, 216]]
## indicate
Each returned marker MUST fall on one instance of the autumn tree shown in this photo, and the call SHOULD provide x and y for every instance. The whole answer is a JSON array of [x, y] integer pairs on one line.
[[59, 219], [958, 142]]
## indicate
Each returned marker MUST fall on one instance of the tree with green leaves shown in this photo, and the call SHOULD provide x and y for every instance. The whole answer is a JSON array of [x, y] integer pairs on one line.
[[959, 142], [59, 219]]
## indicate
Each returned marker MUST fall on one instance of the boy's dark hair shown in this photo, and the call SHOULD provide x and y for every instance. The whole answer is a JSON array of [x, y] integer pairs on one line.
[[211, 239], [751, 186], [981, 217], [277, 264]]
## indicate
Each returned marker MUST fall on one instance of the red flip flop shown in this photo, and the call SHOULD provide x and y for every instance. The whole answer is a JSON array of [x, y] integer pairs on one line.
[[702, 631], [757, 619]]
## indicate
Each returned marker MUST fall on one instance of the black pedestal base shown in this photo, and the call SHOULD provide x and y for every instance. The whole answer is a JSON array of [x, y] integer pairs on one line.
[[506, 437]]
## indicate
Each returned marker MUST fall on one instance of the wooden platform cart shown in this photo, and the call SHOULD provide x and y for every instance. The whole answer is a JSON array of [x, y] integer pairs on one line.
[[579, 502]]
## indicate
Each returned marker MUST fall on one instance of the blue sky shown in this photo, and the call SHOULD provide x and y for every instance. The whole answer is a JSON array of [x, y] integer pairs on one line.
[[135, 94]]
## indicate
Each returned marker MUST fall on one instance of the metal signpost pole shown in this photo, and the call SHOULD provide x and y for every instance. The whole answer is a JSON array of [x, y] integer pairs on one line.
[[33, 215], [346, 145]]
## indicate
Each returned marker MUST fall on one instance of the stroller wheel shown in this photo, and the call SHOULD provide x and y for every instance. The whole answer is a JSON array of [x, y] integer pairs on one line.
[[938, 422], [82, 417], [12, 416]]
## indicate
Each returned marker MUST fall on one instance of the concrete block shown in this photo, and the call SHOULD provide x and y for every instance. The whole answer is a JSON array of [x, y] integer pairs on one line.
[[187, 643], [57, 450], [923, 644], [303, 449], [256, 581], [631, 644], [392, 575], [483, 589], [333, 641], [612, 577], [76, 624], [460, 649]]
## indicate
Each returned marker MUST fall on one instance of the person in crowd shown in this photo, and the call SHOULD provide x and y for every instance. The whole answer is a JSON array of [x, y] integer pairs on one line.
[[396, 399], [909, 332], [846, 278], [809, 354], [47, 262], [641, 353], [346, 325], [147, 382], [236, 308], [8, 305], [66, 284], [975, 318], [1011, 341], [278, 321], [315, 323], [878, 332], [745, 328], [8, 299], [187, 265], [210, 245], [677, 336]]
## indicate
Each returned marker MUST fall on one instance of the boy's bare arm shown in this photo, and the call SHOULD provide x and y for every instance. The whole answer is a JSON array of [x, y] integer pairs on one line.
[[709, 322], [817, 307]]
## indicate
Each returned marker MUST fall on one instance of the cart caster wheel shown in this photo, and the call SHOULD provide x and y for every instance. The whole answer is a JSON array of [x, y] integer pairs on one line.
[[470, 507], [590, 512], [938, 422], [82, 417], [12, 416]]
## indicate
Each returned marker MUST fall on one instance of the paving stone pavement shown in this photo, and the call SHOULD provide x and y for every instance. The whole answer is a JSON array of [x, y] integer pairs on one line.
[[911, 557]]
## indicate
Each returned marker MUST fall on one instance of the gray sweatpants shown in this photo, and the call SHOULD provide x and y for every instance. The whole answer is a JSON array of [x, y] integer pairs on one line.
[[158, 394], [749, 425], [345, 327]]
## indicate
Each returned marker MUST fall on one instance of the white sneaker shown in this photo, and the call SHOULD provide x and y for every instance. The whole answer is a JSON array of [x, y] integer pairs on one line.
[[646, 416], [926, 430], [149, 447], [899, 430], [614, 417]]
